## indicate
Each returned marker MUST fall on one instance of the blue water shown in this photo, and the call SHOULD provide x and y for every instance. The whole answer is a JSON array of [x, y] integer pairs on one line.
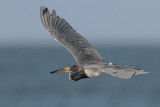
[[25, 80]]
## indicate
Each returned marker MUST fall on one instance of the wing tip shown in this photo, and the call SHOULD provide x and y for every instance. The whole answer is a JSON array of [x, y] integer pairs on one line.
[[53, 12], [43, 10]]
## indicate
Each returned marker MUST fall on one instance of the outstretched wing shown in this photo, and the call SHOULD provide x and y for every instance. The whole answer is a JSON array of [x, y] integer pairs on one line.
[[62, 32], [122, 71]]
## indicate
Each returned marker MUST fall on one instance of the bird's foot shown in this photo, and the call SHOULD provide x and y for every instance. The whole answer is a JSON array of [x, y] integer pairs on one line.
[[136, 68]]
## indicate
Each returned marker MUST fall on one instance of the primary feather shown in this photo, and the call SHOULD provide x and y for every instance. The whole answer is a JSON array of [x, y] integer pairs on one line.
[[62, 32]]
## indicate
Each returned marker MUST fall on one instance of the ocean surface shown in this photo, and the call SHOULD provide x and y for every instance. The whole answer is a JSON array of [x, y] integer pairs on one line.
[[25, 80]]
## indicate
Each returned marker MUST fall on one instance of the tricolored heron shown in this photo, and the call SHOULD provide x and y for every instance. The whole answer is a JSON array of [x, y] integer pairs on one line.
[[89, 61]]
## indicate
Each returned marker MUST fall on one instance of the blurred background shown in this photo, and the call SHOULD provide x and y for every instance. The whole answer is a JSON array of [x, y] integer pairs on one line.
[[125, 32]]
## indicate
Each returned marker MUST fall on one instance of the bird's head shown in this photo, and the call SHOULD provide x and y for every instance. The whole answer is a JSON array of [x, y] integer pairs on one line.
[[74, 73], [73, 68]]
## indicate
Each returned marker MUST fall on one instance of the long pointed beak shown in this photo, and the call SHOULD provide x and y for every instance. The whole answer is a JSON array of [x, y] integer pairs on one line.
[[67, 69]]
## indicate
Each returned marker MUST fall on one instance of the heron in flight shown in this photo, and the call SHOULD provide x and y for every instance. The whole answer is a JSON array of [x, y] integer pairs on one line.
[[89, 61]]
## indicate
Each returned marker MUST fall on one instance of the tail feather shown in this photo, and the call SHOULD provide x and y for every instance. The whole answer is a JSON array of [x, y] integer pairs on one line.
[[124, 72], [128, 74]]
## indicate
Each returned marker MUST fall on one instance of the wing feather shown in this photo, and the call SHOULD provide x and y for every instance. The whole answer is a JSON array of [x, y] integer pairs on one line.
[[60, 30]]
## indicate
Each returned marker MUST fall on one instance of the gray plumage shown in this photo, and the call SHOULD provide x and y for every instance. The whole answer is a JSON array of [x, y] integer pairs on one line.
[[124, 72], [88, 59], [61, 31]]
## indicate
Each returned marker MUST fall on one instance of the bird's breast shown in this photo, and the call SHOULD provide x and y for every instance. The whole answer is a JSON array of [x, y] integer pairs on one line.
[[93, 72]]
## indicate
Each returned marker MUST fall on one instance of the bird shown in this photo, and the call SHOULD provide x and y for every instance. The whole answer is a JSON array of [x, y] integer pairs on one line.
[[89, 62]]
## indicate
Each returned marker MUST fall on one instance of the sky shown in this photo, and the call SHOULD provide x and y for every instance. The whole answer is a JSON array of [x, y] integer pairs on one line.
[[102, 22]]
